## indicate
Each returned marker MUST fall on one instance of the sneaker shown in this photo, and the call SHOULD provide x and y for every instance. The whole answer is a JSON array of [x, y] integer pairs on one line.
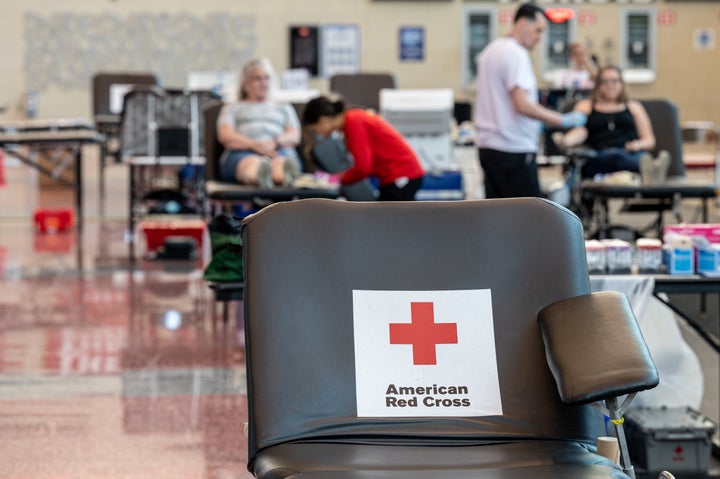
[[662, 165], [647, 169], [264, 174], [292, 172]]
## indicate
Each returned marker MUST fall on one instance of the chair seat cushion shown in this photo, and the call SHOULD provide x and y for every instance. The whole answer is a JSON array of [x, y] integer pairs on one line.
[[534, 472], [224, 191], [507, 460]]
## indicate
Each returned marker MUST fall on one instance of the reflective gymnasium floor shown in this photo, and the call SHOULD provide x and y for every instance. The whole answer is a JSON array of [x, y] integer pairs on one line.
[[116, 370], [107, 369]]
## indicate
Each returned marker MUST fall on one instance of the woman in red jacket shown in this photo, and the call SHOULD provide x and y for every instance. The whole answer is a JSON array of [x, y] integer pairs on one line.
[[377, 148]]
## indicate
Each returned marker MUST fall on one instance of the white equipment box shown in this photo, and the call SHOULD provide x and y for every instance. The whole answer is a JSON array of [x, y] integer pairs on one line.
[[424, 118]]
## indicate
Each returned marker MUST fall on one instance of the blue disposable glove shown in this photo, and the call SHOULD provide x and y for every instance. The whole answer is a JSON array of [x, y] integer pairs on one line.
[[573, 119]]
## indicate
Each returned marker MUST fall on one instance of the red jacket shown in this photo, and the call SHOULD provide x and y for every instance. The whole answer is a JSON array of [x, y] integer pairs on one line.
[[378, 150]]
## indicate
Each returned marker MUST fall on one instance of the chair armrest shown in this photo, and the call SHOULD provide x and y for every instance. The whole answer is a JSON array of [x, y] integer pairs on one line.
[[595, 349], [581, 152]]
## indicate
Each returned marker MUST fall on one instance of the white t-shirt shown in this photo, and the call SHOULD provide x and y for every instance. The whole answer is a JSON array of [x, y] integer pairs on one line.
[[575, 79], [259, 121], [502, 66]]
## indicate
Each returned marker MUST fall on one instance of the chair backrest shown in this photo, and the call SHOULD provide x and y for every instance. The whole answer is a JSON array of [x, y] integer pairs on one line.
[[462, 111], [102, 84], [153, 119], [361, 89], [303, 261], [213, 148], [668, 134]]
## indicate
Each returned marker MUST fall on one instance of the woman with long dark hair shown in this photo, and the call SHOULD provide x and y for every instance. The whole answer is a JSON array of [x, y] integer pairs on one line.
[[378, 149]]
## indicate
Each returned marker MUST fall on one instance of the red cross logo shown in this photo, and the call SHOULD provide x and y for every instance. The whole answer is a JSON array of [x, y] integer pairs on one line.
[[423, 333]]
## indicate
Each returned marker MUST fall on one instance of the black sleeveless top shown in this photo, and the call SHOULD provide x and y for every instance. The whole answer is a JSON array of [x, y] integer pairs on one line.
[[607, 130]]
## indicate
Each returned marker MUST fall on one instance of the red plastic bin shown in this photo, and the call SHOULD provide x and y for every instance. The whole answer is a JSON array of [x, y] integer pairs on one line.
[[53, 220], [155, 231]]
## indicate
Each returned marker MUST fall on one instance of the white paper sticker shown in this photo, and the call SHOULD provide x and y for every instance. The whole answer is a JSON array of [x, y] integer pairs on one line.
[[117, 97], [425, 353]]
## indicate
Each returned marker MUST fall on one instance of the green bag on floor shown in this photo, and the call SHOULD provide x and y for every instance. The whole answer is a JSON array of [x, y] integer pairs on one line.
[[226, 244]]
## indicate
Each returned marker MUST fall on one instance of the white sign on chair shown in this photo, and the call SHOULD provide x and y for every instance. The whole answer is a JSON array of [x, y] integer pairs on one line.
[[425, 353]]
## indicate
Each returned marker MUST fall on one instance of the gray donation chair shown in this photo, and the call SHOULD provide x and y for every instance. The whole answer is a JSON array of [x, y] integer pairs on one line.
[[558, 348], [668, 134]]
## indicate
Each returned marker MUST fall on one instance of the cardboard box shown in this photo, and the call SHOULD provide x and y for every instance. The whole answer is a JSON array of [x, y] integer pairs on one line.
[[672, 439], [679, 260], [708, 259], [709, 231]]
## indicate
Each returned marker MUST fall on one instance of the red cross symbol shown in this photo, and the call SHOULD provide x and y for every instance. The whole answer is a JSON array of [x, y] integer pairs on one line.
[[666, 17], [506, 17], [423, 333]]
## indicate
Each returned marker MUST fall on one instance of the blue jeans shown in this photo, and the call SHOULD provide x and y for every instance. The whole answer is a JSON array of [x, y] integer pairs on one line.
[[610, 160], [231, 158]]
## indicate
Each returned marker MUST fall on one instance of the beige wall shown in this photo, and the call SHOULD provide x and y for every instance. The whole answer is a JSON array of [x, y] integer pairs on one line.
[[688, 76]]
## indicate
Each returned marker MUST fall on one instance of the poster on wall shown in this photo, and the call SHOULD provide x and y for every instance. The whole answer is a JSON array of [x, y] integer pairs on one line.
[[340, 50], [304, 48], [412, 44]]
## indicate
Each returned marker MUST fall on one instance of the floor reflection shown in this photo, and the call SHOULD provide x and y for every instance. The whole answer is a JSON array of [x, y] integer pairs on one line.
[[113, 368]]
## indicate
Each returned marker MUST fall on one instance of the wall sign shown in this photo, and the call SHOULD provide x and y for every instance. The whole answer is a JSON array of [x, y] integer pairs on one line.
[[667, 17], [587, 17], [340, 51], [704, 39], [412, 44], [304, 48]]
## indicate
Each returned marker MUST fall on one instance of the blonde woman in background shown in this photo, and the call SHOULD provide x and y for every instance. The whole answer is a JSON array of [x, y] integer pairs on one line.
[[581, 71], [259, 135]]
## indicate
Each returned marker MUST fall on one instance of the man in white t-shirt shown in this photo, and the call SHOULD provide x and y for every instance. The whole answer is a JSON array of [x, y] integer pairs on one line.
[[508, 116]]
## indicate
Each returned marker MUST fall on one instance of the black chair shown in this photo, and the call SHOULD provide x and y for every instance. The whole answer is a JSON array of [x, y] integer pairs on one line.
[[325, 280], [162, 142], [107, 119], [462, 111], [668, 137], [105, 114], [161, 122], [213, 148], [103, 82], [668, 134], [665, 121], [221, 195], [361, 89], [562, 100]]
